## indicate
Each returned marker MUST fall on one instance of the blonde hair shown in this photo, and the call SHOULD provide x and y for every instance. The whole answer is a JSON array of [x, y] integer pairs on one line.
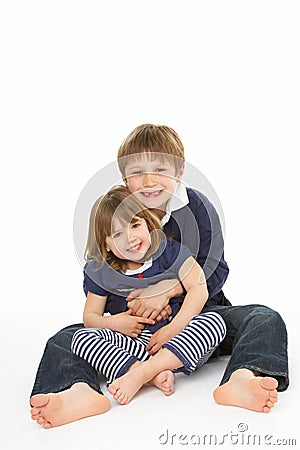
[[153, 139], [120, 202]]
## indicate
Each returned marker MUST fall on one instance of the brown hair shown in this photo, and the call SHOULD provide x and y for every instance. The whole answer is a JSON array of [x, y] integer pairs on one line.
[[155, 139], [118, 200]]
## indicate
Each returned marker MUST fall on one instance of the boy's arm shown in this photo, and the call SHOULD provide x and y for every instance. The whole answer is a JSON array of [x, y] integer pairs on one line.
[[193, 279], [152, 302], [123, 322]]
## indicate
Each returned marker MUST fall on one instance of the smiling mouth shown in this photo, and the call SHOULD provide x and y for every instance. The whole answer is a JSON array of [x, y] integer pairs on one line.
[[151, 194], [135, 248]]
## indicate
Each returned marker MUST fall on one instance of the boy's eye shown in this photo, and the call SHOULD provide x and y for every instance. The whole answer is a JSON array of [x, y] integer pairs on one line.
[[137, 172], [160, 169]]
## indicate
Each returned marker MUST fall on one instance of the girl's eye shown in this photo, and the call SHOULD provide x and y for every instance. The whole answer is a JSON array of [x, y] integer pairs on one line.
[[136, 225], [161, 169], [116, 235], [137, 172]]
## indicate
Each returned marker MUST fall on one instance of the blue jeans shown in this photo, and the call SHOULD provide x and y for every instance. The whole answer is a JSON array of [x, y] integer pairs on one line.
[[256, 339]]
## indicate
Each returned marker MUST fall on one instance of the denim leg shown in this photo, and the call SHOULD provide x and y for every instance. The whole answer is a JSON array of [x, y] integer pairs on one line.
[[256, 339], [59, 368]]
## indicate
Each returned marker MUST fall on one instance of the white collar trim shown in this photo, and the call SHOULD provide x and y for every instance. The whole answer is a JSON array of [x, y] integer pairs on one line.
[[178, 200], [141, 269]]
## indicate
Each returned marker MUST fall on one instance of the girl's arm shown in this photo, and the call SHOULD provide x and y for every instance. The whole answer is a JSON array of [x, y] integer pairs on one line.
[[123, 322], [94, 310], [193, 279]]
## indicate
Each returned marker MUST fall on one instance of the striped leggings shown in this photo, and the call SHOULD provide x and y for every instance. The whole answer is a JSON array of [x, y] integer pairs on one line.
[[112, 353]]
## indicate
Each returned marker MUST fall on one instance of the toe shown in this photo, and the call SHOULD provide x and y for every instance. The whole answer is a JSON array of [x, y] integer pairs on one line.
[[39, 400], [117, 394], [120, 394], [269, 383], [274, 397], [35, 411], [41, 420], [124, 400], [112, 389], [266, 409], [270, 404]]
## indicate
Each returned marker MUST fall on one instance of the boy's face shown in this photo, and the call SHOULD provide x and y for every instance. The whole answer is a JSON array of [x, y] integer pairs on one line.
[[152, 180]]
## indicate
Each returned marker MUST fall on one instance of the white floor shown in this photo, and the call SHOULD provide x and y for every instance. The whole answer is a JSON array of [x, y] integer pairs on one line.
[[150, 421]]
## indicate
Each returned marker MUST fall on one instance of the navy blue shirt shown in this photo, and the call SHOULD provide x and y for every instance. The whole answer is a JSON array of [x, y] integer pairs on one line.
[[197, 226], [101, 279]]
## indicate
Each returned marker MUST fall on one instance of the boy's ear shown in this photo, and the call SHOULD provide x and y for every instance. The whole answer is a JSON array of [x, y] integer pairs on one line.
[[180, 173], [125, 181]]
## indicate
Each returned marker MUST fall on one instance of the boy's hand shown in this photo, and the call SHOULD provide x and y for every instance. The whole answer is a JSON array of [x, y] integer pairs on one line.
[[151, 307], [159, 338], [152, 302], [130, 325]]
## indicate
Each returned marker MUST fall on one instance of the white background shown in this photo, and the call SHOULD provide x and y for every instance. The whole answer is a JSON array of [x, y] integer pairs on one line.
[[76, 78]]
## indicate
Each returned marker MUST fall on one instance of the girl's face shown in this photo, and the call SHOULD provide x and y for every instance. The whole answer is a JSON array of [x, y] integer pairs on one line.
[[129, 241]]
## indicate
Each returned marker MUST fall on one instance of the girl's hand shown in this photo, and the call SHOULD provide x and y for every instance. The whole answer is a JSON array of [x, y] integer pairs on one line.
[[159, 338], [129, 325]]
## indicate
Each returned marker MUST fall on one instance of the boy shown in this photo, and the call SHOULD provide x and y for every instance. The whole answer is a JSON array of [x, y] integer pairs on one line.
[[151, 160]]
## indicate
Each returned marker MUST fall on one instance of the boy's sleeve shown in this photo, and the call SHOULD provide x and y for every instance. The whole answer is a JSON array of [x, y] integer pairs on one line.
[[210, 254]]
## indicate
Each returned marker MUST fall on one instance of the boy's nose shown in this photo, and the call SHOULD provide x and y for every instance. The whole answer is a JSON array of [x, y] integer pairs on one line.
[[149, 179]]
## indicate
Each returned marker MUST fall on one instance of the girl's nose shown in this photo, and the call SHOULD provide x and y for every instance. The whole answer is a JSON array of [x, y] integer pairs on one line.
[[130, 236]]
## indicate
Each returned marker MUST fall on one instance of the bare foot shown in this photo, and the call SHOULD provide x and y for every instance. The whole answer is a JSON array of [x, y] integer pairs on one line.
[[51, 410], [246, 390], [125, 387], [165, 381]]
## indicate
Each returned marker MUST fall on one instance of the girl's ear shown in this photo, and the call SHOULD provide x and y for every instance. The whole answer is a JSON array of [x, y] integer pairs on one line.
[[106, 245]]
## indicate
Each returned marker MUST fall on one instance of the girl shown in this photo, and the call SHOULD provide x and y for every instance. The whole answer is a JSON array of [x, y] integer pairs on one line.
[[126, 251]]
